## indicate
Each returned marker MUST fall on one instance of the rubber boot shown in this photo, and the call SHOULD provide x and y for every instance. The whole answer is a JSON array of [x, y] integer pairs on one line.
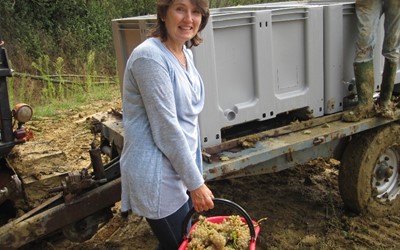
[[385, 108], [364, 74]]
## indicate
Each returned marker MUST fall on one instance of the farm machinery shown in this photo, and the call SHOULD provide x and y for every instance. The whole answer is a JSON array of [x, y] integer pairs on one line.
[[275, 96], [10, 135]]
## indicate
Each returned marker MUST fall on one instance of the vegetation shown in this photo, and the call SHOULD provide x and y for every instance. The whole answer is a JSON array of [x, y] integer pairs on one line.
[[50, 40]]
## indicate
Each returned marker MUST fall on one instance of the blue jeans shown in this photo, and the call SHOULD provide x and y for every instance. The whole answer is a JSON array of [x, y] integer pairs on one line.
[[368, 14], [169, 230]]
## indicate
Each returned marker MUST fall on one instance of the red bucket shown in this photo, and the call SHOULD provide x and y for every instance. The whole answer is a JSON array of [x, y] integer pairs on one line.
[[253, 226]]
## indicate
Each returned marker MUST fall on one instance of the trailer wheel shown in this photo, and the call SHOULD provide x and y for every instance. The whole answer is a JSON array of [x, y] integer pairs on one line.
[[84, 229], [81, 230], [369, 176]]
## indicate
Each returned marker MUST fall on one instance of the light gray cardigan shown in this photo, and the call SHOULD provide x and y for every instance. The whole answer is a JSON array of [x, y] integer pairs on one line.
[[161, 157]]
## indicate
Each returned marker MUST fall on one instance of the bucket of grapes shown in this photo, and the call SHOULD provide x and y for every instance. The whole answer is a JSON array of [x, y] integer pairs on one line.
[[221, 232]]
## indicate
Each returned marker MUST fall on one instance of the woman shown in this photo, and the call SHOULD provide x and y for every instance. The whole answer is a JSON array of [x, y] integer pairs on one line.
[[163, 95]]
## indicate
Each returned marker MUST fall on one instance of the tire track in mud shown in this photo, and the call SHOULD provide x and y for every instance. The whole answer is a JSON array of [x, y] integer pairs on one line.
[[376, 233]]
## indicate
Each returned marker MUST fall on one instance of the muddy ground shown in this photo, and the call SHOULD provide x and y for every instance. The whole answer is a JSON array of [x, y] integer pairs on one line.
[[302, 206]]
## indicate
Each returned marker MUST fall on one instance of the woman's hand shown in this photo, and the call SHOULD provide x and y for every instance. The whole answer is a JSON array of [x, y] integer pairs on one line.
[[202, 198]]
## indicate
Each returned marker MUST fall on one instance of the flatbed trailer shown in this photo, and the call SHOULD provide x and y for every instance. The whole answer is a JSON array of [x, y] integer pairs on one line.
[[268, 151]]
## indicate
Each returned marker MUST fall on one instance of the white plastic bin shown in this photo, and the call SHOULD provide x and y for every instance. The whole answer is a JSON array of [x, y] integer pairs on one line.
[[260, 63]]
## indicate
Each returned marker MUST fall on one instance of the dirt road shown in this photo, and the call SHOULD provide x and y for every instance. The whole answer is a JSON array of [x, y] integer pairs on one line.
[[302, 205]]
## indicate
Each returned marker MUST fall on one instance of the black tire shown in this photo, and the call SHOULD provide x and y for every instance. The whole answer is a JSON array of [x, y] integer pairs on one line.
[[369, 176], [80, 231], [84, 229]]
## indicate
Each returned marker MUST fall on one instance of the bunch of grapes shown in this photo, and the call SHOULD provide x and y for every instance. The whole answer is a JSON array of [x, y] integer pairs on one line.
[[232, 233]]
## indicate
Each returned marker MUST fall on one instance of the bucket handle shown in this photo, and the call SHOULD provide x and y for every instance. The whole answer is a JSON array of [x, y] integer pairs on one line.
[[228, 203]]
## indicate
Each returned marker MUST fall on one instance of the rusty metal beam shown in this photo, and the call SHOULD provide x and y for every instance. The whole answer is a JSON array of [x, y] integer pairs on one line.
[[20, 232]]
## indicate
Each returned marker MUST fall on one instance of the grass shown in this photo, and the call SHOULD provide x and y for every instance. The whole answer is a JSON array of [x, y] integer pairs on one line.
[[96, 94], [49, 93]]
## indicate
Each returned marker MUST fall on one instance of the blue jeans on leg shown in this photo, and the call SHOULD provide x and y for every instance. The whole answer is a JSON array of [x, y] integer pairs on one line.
[[168, 230]]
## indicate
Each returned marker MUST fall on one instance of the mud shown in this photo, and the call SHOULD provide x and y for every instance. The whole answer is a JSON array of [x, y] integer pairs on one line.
[[301, 207]]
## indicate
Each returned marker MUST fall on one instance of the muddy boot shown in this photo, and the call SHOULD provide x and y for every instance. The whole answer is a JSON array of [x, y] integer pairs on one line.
[[364, 74], [385, 108]]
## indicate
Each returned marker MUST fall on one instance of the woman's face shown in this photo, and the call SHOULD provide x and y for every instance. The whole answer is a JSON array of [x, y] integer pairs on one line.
[[182, 21]]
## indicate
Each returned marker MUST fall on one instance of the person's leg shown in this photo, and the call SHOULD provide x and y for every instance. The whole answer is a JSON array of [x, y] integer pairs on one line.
[[385, 107], [169, 230], [390, 50], [364, 75], [391, 42], [368, 13]]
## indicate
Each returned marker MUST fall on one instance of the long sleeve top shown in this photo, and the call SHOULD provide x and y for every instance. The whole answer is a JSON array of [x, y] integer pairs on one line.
[[161, 156]]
